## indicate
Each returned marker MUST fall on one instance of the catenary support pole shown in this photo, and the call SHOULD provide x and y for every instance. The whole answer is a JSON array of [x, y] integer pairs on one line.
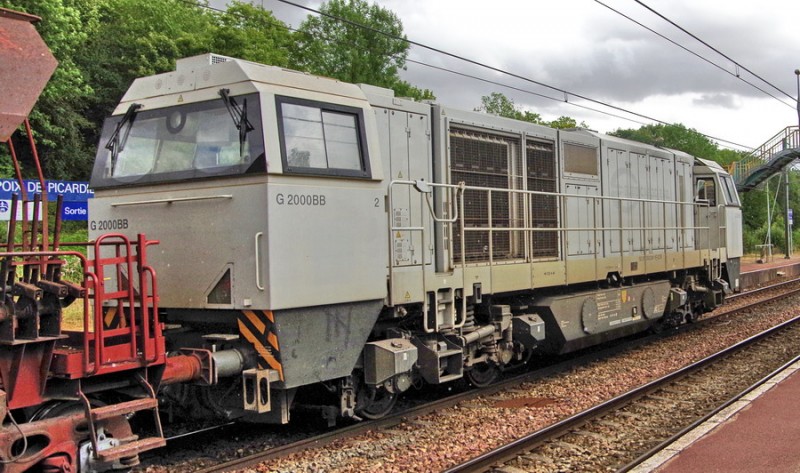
[[788, 225]]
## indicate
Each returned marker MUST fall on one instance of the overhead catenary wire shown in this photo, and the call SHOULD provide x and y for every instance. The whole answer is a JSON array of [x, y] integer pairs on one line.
[[526, 91], [694, 53], [493, 68], [566, 93], [738, 64]]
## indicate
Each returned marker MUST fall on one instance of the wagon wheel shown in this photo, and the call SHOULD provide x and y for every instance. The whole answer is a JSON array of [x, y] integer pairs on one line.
[[374, 403], [483, 374]]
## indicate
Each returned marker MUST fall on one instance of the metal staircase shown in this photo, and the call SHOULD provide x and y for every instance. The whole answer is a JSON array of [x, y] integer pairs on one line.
[[767, 160]]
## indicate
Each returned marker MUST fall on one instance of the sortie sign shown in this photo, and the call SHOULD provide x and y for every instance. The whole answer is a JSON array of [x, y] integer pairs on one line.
[[76, 195]]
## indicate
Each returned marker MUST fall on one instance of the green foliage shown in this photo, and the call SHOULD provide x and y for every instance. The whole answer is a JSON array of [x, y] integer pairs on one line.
[[754, 209], [134, 38], [249, 32], [674, 136], [500, 105], [6, 167], [756, 216], [566, 122], [404, 89], [342, 50], [497, 103]]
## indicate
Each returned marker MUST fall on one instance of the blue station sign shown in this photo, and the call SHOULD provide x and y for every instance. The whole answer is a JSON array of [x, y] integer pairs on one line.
[[76, 195]]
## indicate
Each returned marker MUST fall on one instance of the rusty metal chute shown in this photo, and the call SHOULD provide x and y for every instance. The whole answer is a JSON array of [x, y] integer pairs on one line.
[[26, 65]]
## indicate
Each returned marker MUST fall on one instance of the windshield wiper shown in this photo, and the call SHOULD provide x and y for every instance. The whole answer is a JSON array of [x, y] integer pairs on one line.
[[116, 143], [238, 115]]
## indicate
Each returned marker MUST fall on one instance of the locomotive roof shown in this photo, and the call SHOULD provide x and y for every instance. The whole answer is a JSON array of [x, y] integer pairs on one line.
[[632, 143], [214, 71]]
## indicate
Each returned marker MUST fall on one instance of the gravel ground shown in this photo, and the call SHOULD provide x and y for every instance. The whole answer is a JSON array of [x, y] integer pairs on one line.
[[448, 437]]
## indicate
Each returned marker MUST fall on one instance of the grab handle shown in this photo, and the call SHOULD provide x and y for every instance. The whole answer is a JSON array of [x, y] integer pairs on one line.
[[258, 261]]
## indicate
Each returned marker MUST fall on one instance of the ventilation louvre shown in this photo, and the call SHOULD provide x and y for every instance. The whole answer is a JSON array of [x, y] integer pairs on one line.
[[196, 62]]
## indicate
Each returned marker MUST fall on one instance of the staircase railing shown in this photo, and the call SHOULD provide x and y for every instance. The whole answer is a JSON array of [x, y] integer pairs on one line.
[[789, 137]]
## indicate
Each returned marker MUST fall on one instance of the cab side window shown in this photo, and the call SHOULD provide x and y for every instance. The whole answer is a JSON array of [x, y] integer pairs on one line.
[[321, 138], [706, 190]]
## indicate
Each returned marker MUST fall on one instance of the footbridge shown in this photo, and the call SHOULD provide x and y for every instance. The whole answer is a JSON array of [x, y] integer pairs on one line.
[[767, 160]]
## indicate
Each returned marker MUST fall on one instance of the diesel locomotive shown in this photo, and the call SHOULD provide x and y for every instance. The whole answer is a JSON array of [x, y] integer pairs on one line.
[[332, 234], [318, 244]]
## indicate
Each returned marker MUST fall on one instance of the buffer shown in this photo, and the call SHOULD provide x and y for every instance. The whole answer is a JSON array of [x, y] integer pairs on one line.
[[767, 160]]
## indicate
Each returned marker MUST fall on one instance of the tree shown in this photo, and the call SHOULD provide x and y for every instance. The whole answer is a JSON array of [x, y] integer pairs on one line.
[[675, 136], [404, 89], [498, 104], [249, 32], [103, 45], [354, 41], [136, 38], [566, 122]]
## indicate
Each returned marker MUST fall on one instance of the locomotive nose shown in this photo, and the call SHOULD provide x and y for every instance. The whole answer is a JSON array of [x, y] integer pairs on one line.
[[27, 66]]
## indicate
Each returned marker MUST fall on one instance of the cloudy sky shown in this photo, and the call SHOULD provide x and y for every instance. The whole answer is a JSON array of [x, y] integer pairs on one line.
[[583, 47]]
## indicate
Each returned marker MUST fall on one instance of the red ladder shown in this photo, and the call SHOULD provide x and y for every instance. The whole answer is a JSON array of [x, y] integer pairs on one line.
[[136, 341]]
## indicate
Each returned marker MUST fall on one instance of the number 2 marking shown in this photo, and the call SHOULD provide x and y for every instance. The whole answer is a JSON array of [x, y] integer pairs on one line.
[[377, 202]]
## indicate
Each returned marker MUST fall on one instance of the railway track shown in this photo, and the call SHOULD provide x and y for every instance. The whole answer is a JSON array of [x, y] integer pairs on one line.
[[789, 283], [387, 423], [649, 417]]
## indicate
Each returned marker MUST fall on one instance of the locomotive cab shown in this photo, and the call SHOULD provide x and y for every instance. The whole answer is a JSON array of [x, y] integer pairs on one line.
[[263, 189], [223, 155], [720, 213]]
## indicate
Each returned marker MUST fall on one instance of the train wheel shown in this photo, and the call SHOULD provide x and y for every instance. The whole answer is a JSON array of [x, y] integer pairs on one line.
[[692, 316], [483, 374], [375, 403]]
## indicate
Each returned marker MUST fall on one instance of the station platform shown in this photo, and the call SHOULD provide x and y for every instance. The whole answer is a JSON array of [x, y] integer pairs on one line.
[[757, 433], [753, 273]]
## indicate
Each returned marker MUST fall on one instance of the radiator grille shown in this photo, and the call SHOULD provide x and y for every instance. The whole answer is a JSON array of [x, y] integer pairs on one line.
[[542, 177], [482, 159]]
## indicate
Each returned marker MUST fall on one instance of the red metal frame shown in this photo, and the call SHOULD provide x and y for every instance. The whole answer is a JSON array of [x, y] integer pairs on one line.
[[100, 350], [143, 347]]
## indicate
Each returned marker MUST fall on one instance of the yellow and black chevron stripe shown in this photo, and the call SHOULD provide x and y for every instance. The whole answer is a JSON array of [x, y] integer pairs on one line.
[[258, 328], [114, 319]]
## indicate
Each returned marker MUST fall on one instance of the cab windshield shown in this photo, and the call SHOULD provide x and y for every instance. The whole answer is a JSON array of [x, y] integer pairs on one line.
[[188, 141]]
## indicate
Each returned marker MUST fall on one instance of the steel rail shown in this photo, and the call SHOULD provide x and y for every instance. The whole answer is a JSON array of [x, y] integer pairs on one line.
[[763, 289], [513, 449]]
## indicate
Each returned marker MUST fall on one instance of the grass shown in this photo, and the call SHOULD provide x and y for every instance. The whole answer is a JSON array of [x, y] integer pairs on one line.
[[72, 317]]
